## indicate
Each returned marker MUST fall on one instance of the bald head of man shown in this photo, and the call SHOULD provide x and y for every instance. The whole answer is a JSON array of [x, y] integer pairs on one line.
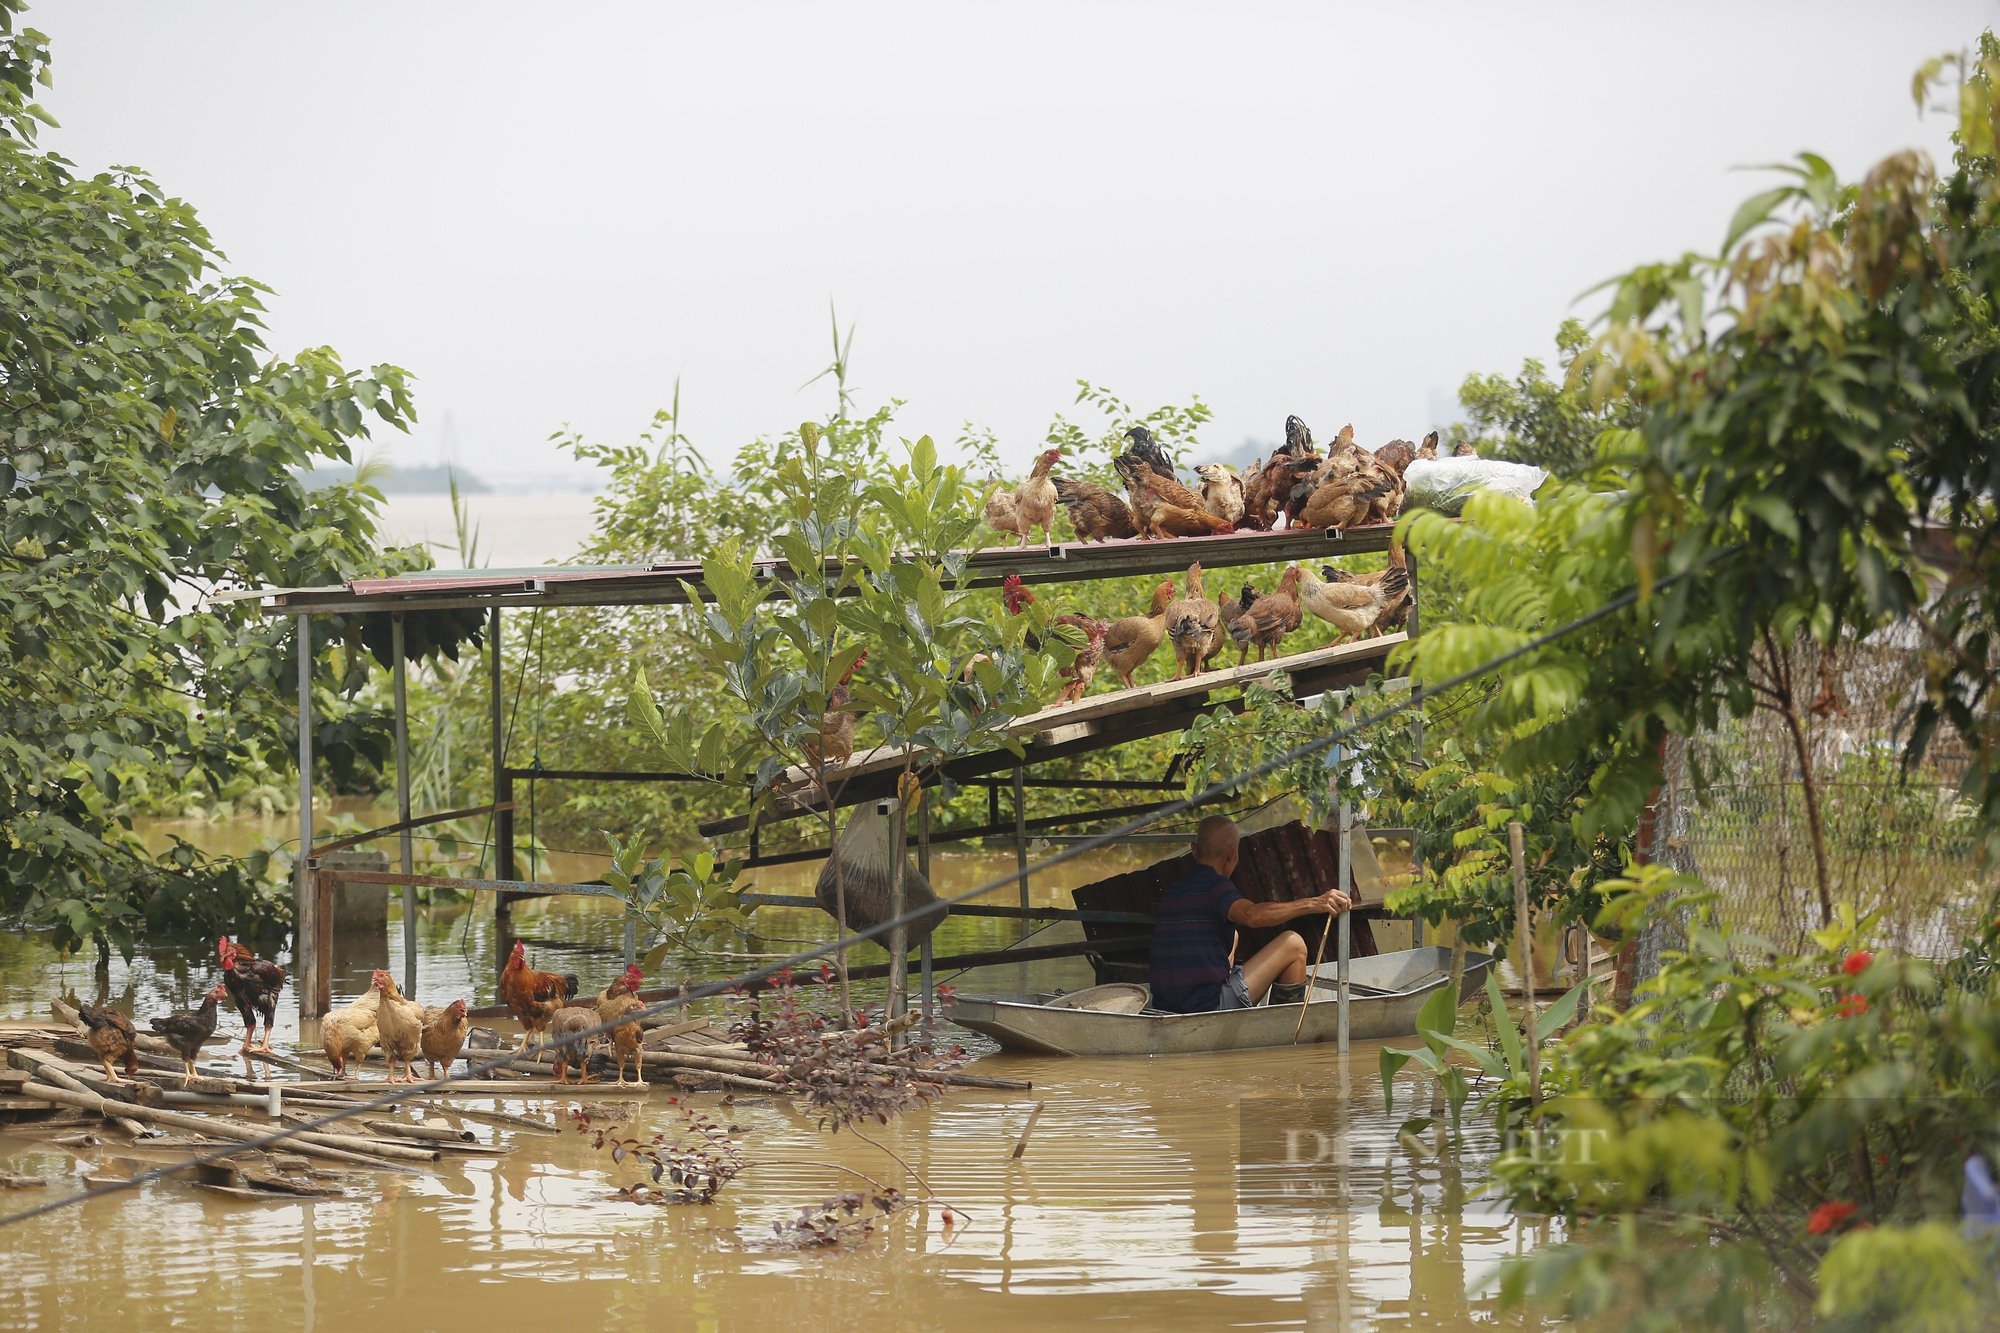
[[1215, 841]]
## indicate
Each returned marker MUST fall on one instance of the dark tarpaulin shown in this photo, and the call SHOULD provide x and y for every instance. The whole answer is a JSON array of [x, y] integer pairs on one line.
[[1278, 865]]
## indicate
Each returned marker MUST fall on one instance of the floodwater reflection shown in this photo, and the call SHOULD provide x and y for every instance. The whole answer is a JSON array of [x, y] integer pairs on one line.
[[1252, 1190]]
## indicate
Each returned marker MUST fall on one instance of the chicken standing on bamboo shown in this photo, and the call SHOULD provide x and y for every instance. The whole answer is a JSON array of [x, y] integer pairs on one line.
[[1030, 505], [567, 1046], [187, 1030], [532, 997], [112, 1037], [254, 984], [400, 1024], [1231, 608], [1267, 621], [1358, 609], [1194, 624], [1095, 513], [444, 1036], [620, 998], [350, 1033], [1130, 641]]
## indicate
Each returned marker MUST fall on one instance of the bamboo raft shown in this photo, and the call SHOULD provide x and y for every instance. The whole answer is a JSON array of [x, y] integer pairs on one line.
[[53, 1088]]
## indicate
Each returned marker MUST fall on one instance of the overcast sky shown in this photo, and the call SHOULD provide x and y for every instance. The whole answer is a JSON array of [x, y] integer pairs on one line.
[[548, 212]]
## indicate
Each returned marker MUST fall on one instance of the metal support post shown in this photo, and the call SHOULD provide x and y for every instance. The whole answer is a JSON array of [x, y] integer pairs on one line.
[[503, 784], [1021, 830], [306, 940], [1417, 740], [403, 802], [503, 793], [899, 934], [924, 867], [1344, 876]]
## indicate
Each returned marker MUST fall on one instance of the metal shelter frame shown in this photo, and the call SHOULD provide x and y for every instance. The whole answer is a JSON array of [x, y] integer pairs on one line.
[[1098, 722]]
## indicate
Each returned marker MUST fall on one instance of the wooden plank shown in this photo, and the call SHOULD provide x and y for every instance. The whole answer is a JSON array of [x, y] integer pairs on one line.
[[1127, 715]]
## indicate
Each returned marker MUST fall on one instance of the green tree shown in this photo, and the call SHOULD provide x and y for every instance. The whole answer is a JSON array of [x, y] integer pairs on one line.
[[152, 456], [1551, 423]]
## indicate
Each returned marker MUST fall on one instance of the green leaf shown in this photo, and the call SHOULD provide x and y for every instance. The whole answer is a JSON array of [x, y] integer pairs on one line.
[[1754, 211], [1439, 1014], [1488, 1063], [1392, 1062], [1559, 1013], [1510, 1036]]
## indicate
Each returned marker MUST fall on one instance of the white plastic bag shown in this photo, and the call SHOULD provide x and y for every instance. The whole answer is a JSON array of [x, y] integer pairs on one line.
[[1444, 484]]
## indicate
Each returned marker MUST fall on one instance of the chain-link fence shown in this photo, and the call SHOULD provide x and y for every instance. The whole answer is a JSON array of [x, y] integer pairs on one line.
[[1733, 810]]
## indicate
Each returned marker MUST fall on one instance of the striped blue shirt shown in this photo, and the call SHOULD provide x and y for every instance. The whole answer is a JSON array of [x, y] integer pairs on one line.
[[1192, 936]]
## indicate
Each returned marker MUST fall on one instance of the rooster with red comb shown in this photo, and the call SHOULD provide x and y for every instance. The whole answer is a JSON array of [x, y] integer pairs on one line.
[[253, 983], [1015, 594]]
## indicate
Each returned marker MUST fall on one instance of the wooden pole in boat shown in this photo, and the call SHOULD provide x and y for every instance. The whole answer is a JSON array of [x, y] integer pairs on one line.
[[1312, 984], [1524, 933]]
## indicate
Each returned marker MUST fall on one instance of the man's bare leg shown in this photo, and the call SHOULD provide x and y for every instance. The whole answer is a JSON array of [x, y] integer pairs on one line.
[[1283, 959]]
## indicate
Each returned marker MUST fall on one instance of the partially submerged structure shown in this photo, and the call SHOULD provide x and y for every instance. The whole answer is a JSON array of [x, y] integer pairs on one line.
[[445, 605]]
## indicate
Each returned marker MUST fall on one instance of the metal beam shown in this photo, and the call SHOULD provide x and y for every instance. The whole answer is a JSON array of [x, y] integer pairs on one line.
[[664, 586], [305, 907], [400, 673], [1139, 724]]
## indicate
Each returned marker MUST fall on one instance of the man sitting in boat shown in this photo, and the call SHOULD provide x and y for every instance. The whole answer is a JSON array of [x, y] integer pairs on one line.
[[1194, 934]]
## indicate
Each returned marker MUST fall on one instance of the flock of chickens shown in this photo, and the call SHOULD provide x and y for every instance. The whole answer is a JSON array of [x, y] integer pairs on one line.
[[541, 1001], [1295, 487], [1199, 627], [1348, 486]]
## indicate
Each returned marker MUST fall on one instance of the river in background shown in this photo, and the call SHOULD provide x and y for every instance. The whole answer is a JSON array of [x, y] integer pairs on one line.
[[1250, 1190], [514, 528]]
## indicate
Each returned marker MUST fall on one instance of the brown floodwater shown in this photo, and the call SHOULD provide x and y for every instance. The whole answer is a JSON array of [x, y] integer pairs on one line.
[[1249, 1190]]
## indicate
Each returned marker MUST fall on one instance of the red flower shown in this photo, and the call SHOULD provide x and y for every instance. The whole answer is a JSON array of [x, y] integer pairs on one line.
[[1828, 1216], [1852, 1007], [1857, 962]]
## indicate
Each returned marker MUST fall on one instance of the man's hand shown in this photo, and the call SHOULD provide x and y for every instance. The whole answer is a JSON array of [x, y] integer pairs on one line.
[[1333, 901]]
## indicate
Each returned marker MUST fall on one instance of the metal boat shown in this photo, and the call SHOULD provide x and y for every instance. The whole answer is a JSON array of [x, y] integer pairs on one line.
[[1385, 993]]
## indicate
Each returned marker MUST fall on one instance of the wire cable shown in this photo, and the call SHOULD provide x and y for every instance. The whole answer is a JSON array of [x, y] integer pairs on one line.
[[708, 990]]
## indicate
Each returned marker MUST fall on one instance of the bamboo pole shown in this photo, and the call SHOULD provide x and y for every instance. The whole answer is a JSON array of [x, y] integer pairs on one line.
[[42, 1067], [1021, 1144], [207, 1125], [1524, 933]]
